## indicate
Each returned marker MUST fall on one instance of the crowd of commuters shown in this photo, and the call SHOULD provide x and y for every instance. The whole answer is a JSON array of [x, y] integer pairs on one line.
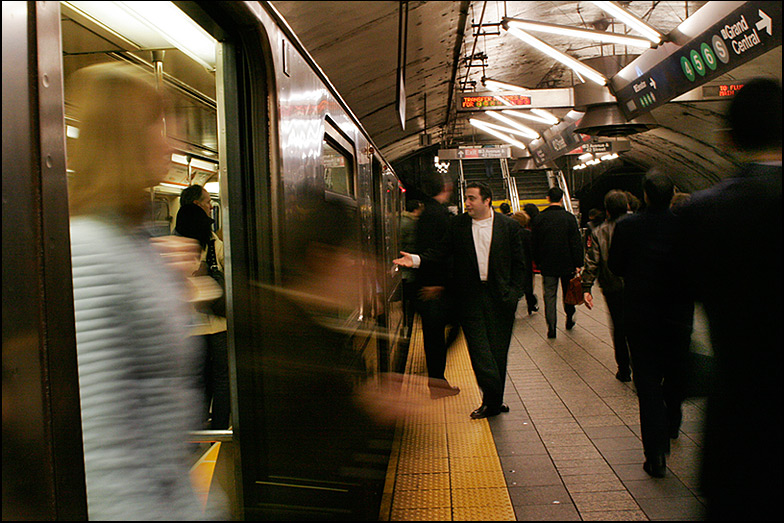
[[654, 259]]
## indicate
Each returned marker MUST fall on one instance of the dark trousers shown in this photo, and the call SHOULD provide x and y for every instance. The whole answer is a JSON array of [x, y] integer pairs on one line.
[[409, 305], [550, 291], [434, 314], [614, 302], [658, 355], [215, 375], [487, 327]]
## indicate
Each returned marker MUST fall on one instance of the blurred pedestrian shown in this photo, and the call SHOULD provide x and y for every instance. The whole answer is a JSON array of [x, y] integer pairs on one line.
[[634, 202], [595, 218], [596, 269], [505, 209], [528, 278], [194, 221], [408, 226], [558, 252], [136, 361], [433, 302], [657, 316], [679, 199], [487, 257], [732, 241]]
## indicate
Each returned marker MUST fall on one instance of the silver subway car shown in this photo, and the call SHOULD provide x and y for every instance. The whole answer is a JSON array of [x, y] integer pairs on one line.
[[308, 212]]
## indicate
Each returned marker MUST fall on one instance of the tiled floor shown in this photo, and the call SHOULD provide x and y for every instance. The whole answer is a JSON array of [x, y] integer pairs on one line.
[[569, 449]]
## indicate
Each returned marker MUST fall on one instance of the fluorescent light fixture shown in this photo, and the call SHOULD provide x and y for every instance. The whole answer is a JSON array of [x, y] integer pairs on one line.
[[576, 65], [607, 157], [212, 187], [551, 119], [153, 25], [642, 27], [435, 159], [586, 156], [526, 115], [525, 134], [565, 30], [204, 166], [526, 131], [173, 185], [71, 131], [495, 85], [486, 128]]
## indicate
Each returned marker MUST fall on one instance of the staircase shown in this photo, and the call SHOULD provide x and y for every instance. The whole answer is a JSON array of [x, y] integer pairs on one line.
[[530, 186]]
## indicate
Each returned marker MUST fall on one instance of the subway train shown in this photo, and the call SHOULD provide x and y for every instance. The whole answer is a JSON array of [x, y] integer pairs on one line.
[[255, 121]]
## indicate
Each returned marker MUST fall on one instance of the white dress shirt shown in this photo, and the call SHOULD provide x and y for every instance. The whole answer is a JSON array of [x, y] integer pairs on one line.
[[483, 235]]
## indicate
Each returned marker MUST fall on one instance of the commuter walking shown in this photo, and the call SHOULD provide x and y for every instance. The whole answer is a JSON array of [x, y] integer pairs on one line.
[[528, 277], [433, 303], [657, 316], [596, 256], [487, 257], [137, 383], [732, 242], [408, 231], [558, 252]]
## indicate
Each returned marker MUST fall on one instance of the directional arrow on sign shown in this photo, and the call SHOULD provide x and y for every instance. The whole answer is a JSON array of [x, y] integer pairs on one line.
[[653, 84], [765, 23]]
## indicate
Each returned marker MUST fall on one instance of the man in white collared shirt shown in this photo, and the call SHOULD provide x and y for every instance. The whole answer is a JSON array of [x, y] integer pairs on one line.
[[487, 255]]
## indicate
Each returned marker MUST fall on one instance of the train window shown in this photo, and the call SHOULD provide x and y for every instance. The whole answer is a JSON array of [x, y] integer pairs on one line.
[[338, 161]]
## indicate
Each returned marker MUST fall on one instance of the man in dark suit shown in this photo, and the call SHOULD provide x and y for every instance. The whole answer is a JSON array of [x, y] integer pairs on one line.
[[487, 260], [558, 251], [732, 241], [657, 315]]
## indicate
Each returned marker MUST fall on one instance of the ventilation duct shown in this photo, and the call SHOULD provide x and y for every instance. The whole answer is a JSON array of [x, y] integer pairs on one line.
[[603, 116]]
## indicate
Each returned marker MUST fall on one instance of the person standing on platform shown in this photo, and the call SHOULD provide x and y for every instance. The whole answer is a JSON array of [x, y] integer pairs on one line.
[[732, 243], [433, 303], [558, 252], [616, 206], [657, 316], [487, 256]]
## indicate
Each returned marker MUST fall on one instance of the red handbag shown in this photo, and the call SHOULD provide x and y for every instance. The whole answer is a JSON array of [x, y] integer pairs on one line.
[[574, 291]]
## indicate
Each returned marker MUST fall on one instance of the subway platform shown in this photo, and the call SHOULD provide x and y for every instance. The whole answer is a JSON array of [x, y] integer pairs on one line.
[[568, 450]]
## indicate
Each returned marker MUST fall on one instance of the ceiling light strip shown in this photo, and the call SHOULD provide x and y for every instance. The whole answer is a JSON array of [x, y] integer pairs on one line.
[[612, 8], [576, 65], [526, 115], [484, 126], [600, 36], [527, 131]]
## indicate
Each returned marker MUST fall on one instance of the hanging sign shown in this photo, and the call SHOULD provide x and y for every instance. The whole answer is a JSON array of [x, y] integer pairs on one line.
[[558, 140], [475, 153], [713, 41]]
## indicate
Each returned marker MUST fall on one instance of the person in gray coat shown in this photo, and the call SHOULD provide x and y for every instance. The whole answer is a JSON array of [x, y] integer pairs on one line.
[[558, 252]]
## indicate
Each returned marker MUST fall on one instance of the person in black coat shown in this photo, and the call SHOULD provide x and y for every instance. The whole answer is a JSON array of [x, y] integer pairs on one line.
[[657, 315], [732, 243], [487, 260], [432, 301], [558, 252], [531, 300]]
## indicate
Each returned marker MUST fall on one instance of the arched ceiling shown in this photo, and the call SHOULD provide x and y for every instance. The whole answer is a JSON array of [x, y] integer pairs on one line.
[[355, 43]]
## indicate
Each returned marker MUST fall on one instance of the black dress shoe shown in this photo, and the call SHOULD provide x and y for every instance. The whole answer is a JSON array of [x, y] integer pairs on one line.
[[485, 412], [622, 376], [504, 407], [533, 309], [551, 333], [656, 466], [570, 323]]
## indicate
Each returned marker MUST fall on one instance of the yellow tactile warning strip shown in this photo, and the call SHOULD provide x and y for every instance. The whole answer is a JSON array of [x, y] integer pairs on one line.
[[444, 465], [202, 472]]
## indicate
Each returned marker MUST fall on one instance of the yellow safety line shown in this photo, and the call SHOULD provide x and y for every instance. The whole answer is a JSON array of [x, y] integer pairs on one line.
[[201, 473], [444, 465]]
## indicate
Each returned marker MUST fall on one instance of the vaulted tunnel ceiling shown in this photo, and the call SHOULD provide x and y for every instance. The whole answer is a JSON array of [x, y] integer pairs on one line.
[[355, 43]]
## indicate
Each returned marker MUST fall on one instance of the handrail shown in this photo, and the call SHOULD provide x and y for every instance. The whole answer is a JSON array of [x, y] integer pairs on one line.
[[461, 188], [210, 436]]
